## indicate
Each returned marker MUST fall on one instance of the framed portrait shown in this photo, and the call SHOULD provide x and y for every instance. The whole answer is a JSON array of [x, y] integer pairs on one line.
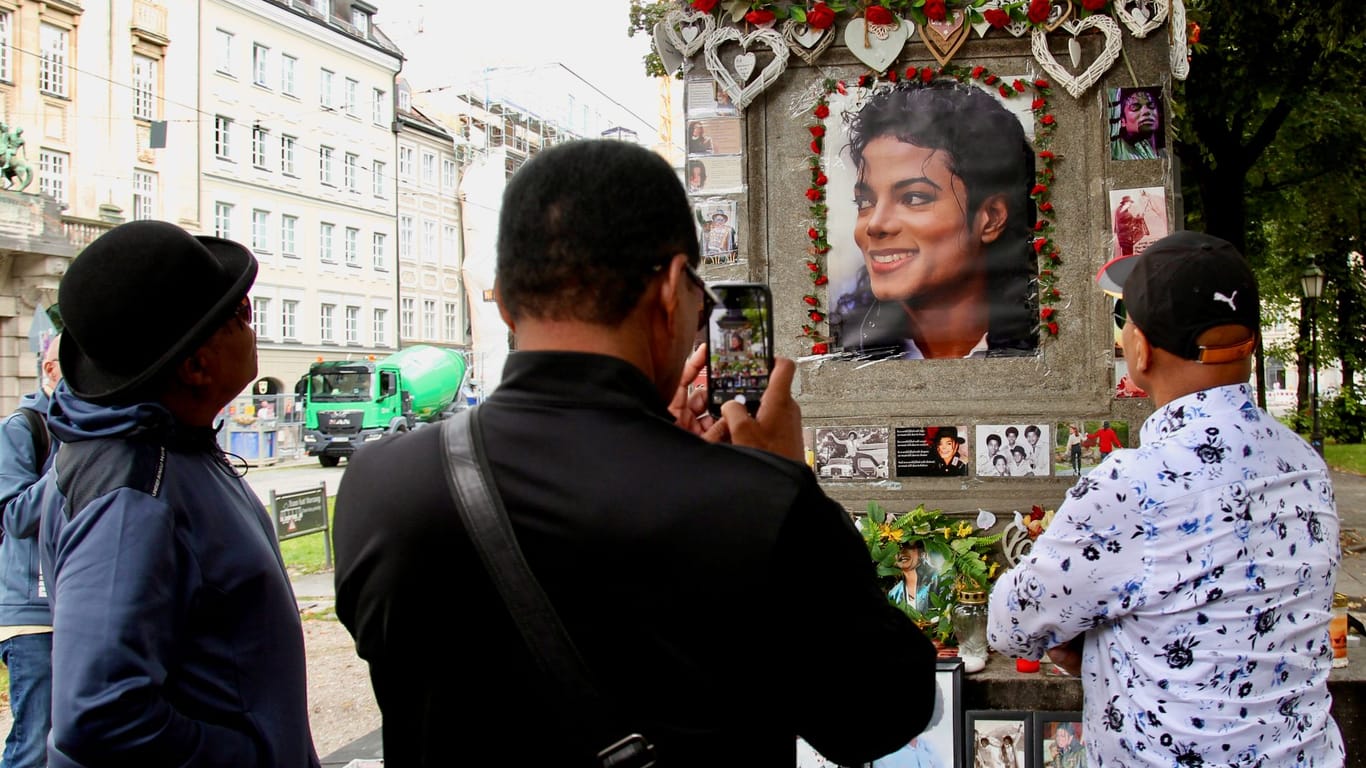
[[932, 451], [1139, 217], [716, 230], [1137, 123], [912, 264], [851, 453], [941, 744], [1014, 450], [1059, 739], [999, 738]]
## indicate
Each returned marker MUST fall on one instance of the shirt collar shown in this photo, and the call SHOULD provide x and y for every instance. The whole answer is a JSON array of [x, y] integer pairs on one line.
[[1184, 410], [913, 352], [578, 380]]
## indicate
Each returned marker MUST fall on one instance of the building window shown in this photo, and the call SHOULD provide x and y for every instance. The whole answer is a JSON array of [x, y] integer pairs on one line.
[[6, 39], [352, 97], [52, 169], [448, 251], [352, 325], [380, 333], [222, 137], [429, 252], [224, 52], [289, 225], [325, 242], [325, 89], [287, 155], [222, 220], [144, 87], [450, 319], [352, 247], [325, 165], [405, 319], [405, 101], [144, 195], [260, 61], [378, 106], [258, 146], [53, 43], [288, 65], [260, 317], [377, 179], [326, 319], [447, 173], [379, 256], [361, 21], [260, 230], [405, 237], [429, 318], [428, 168], [405, 163], [350, 172], [289, 319]]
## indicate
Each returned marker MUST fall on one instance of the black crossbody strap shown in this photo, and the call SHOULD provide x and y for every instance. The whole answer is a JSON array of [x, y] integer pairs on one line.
[[481, 509]]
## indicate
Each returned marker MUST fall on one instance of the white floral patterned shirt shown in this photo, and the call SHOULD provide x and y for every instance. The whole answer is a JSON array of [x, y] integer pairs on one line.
[[1200, 567]]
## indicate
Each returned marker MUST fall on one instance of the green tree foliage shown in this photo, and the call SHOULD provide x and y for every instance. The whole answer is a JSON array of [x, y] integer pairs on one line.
[[1270, 139], [643, 18]]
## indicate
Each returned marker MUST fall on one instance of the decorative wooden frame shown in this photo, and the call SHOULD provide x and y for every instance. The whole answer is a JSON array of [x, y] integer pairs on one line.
[[1000, 718], [1045, 725]]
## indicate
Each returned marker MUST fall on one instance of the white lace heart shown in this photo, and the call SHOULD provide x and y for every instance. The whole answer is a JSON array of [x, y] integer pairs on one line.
[[1145, 16], [806, 41], [884, 42], [743, 92], [1079, 84], [687, 30]]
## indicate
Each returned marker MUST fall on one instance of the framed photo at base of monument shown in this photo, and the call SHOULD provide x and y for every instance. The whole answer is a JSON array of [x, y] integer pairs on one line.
[[1059, 740], [1001, 738], [941, 743]]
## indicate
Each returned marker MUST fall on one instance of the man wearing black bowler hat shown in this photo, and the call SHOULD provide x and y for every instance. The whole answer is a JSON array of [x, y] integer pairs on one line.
[[1190, 581], [176, 636]]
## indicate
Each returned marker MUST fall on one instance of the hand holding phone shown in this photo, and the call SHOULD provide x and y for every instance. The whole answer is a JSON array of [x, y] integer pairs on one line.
[[739, 346]]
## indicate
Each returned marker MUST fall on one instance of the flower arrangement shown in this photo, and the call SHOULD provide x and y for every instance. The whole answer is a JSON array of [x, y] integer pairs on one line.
[[1045, 247], [965, 550], [1036, 522], [820, 15]]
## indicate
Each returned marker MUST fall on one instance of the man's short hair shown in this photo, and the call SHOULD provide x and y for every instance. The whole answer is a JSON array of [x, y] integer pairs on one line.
[[1011, 431], [583, 228], [1035, 429], [994, 438]]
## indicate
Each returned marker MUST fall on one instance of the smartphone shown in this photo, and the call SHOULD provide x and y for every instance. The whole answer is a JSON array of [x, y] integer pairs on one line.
[[739, 345]]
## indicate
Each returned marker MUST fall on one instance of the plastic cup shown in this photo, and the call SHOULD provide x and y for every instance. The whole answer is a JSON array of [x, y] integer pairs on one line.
[[1025, 665]]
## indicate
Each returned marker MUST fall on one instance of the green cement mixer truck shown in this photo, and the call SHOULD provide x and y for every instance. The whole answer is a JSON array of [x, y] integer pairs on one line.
[[349, 403]]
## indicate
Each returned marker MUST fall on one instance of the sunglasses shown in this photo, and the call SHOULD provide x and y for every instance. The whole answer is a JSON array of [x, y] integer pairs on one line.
[[709, 297]]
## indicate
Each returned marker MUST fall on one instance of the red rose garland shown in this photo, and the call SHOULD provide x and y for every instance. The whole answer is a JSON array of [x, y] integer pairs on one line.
[[1048, 255]]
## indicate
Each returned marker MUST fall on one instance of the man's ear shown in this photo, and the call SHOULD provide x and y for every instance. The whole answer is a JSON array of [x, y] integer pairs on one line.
[[193, 371], [992, 217], [502, 309], [1142, 352]]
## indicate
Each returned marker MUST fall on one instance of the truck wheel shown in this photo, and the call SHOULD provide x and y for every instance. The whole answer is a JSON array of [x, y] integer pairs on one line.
[[329, 461]]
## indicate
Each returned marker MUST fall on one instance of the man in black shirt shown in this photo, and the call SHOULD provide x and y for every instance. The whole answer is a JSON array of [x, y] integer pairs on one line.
[[717, 596]]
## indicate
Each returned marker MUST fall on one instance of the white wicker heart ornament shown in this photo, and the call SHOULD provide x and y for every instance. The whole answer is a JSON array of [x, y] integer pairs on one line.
[[1146, 15], [1176, 35], [1076, 85], [743, 91], [876, 45], [688, 30], [807, 42], [1016, 28]]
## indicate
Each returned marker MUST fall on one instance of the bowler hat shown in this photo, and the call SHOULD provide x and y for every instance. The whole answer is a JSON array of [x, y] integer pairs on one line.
[[141, 297], [949, 432]]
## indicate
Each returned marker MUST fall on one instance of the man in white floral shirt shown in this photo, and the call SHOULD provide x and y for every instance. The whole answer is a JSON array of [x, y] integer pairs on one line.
[[1189, 581]]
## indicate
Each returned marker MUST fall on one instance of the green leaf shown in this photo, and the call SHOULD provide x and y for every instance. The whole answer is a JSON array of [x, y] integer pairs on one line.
[[798, 15]]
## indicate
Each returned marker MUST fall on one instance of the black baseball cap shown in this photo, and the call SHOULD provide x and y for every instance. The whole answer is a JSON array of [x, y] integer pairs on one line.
[[1184, 284]]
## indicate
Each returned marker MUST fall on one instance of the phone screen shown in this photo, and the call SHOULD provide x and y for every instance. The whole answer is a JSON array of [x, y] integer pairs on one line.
[[739, 345]]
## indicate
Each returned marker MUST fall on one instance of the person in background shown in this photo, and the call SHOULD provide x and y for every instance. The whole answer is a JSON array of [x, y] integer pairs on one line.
[[1190, 582], [176, 635], [26, 449], [1074, 441], [1038, 450], [993, 443], [1107, 439], [596, 277]]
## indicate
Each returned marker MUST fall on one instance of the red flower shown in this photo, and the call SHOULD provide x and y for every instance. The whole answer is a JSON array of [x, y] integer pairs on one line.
[[996, 17], [810, 300], [1046, 312], [1094, 5], [817, 130], [813, 195], [704, 6], [990, 79], [876, 14], [823, 249], [815, 146], [977, 71], [1045, 206], [1054, 292], [1194, 34], [815, 316], [822, 179], [1046, 272], [891, 75], [926, 75], [1041, 83], [820, 348], [821, 111], [1018, 85], [1038, 11], [1053, 329], [1005, 92], [1048, 120], [1036, 512], [822, 280], [820, 17], [813, 234], [1039, 225], [839, 86], [865, 80], [1038, 189], [1047, 154], [761, 16], [1039, 243], [1038, 104], [936, 10]]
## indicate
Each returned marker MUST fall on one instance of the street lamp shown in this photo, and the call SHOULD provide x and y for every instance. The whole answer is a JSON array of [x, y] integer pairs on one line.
[[1311, 280]]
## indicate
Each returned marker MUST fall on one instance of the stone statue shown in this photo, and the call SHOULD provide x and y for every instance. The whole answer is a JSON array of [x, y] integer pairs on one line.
[[16, 171]]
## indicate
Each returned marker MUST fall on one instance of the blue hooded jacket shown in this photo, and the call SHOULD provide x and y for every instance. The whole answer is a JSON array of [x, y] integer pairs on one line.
[[176, 635], [23, 600]]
